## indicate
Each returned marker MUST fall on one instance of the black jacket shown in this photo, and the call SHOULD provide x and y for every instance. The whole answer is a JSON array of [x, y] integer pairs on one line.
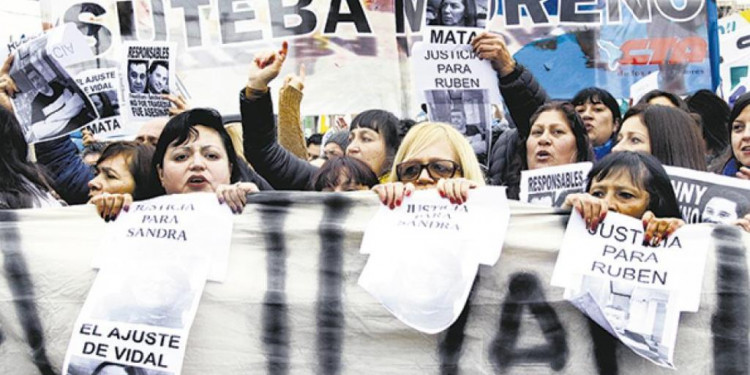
[[282, 169], [523, 96]]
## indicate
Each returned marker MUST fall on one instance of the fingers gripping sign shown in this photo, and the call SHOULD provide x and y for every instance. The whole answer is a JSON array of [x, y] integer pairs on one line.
[[109, 206]]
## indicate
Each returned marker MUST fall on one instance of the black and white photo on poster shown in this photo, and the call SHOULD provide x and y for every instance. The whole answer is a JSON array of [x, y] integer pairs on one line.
[[49, 103], [456, 13], [140, 309], [90, 366], [468, 111], [456, 87], [550, 186], [709, 198], [633, 290], [103, 89], [148, 75]]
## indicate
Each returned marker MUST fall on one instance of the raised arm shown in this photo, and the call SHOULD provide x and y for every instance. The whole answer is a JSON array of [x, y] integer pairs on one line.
[[279, 167]]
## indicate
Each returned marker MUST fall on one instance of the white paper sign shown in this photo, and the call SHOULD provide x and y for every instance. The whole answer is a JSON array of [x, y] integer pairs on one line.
[[148, 71], [639, 290], [189, 223], [103, 89], [424, 278], [549, 186]]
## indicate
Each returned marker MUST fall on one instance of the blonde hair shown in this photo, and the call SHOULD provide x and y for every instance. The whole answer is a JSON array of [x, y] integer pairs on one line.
[[235, 134], [424, 135]]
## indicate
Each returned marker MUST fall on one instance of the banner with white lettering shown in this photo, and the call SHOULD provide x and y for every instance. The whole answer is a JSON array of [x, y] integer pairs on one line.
[[639, 290], [103, 89], [290, 301], [549, 186], [709, 198], [425, 278], [49, 103], [572, 45]]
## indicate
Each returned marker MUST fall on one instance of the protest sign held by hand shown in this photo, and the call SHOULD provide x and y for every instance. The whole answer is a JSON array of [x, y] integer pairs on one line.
[[179, 104], [492, 47]]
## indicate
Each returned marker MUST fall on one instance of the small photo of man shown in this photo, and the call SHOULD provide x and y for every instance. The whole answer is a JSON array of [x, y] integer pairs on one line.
[[158, 77], [137, 76]]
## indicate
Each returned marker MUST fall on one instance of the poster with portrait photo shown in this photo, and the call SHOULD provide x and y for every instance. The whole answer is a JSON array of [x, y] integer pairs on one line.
[[456, 13], [139, 310], [103, 89], [49, 104], [550, 186], [469, 111], [709, 198], [148, 74]]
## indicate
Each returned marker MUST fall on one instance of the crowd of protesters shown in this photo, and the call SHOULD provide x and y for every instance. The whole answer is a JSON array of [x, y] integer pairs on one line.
[[195, 150]]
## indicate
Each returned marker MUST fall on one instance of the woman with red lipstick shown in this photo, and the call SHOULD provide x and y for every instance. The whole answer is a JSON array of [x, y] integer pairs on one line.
[[738, 164]]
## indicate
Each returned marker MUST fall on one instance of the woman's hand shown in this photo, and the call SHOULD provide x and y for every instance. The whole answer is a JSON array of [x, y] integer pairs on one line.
[[87, 138], [235, 195], [296, 81], [392, 194], [743, 222], [179, 104], [492, 47], [743, 173], [656, 229], [455, 190], [265, 67], [592, 209], [109, 205]]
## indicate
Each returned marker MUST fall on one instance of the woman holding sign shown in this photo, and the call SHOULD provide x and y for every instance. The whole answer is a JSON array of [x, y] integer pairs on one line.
[[633, 184], [195, 154], [432, 155]]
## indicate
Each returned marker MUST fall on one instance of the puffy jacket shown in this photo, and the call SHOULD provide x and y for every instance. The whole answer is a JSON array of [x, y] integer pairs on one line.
[[523, 95], [71, 175]]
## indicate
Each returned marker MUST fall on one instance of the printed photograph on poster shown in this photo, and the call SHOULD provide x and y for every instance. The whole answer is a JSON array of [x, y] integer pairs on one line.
[[49, 103], [148, 75], [140, 309], [456, 13], [103, 88], [468, 111], [91, 366], [550, 186], [709, 198], [154, 294], [643, 318]]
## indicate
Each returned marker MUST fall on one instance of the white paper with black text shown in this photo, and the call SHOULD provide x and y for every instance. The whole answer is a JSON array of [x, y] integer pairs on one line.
[[425, 276], [148, 70], [616, 251], [49, 103], [639, 290], [103, 89], [549, 186], [709, 198], [138, 312], [190, 223], [458, 88]]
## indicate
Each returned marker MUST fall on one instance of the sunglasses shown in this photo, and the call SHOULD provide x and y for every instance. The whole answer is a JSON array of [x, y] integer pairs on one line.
[[437, 169]]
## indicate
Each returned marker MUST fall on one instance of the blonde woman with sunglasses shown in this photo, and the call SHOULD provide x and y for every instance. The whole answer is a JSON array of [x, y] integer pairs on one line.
[[432, 155]]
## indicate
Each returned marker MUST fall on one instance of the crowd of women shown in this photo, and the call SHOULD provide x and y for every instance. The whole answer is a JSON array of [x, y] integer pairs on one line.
[[196, 151]]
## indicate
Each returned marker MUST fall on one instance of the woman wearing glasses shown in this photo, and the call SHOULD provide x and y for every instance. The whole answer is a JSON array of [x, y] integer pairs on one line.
[[432, 155]]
